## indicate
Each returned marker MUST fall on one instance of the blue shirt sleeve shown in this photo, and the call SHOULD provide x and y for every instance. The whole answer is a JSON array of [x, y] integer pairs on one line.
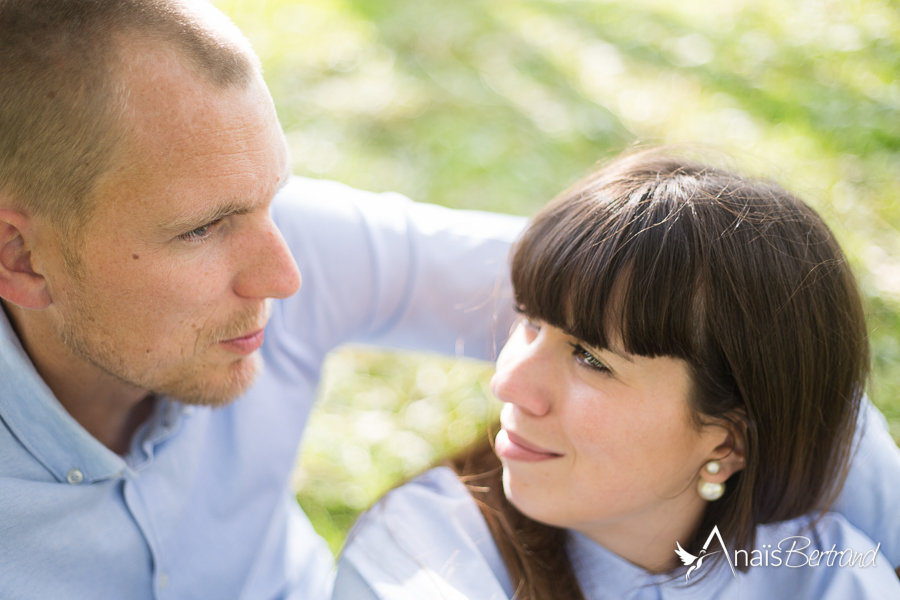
[[871, 493], [380, 269], [426, 539], [350, 585]]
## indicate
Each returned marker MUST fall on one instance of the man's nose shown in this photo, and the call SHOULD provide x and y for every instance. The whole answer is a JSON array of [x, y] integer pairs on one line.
[[270, 270], [524, 377]]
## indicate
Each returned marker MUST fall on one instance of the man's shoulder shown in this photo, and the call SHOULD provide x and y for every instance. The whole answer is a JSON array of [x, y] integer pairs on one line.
[[17, 463]]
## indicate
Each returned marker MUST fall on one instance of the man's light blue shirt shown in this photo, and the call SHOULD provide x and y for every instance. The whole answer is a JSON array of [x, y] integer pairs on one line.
[[201, 506]]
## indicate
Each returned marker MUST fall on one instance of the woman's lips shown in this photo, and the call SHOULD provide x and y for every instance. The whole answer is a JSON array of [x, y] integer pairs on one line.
[[512, 447], [245, 345]]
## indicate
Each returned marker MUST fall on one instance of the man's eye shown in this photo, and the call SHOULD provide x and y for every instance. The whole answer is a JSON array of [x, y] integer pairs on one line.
[[587, 359], [199, 234]]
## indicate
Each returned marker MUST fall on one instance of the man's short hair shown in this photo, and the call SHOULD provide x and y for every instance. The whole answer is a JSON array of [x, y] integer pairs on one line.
[[61, 102]]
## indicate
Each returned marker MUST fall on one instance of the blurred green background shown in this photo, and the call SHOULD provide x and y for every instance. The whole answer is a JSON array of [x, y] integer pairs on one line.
[[500, 104]]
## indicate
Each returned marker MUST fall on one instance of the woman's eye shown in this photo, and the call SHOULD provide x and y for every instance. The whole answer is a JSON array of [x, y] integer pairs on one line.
[[588, 359], [531, 324]]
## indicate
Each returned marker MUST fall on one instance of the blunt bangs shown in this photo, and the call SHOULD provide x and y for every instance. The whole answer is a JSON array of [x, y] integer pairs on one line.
[[623, 264]]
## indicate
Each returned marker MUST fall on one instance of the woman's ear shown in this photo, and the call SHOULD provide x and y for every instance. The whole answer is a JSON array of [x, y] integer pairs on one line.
[[19, 282], [729, 455]]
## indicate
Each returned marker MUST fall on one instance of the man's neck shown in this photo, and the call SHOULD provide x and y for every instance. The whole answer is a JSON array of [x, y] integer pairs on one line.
[[108, 408]]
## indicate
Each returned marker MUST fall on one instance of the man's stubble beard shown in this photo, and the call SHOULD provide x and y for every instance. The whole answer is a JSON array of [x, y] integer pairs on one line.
[[193, 381]]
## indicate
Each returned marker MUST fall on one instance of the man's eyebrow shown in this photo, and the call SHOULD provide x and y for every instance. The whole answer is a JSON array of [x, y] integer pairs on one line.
[[205, 216]]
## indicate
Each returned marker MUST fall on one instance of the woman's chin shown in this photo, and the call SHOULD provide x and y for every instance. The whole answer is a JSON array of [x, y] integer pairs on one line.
[[529, 500]]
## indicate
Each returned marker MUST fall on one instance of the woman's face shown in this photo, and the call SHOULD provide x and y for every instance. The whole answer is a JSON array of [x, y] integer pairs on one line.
[[599, 441]]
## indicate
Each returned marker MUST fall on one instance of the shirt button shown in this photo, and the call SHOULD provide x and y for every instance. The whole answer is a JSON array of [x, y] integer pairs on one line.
[[163, 581], [75, 476]]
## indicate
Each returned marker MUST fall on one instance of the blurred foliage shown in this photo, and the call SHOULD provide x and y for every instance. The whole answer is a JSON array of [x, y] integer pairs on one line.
[[500, 104], [385, 417]]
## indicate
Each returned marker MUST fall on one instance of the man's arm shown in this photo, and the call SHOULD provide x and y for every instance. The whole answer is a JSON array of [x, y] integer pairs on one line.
[[380, 269]]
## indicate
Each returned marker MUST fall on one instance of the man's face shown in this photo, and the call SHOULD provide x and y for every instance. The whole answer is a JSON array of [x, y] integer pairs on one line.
[[181, 257]]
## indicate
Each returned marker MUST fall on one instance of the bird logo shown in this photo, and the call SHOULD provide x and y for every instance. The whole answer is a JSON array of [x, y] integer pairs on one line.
[[688, 559]]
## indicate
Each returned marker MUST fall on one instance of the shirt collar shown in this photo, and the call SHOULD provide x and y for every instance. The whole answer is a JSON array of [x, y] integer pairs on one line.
[[41, 424], [604, 574], [162, 424]]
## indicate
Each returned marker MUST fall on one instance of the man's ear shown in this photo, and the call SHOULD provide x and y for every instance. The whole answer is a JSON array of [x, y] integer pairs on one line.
[[20, 283]]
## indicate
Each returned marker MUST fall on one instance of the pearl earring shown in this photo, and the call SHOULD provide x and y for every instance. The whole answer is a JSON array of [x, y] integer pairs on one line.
[[708, 490]]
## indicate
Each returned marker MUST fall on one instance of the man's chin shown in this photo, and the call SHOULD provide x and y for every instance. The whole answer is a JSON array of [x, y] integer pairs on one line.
[[218, 389]]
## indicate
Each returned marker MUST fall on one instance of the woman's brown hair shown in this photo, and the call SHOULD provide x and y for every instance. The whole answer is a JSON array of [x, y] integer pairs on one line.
[[735, 276]]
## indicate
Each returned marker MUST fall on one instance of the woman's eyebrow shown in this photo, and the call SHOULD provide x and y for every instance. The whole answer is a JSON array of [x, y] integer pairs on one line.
[[620, 353], [610, 348]]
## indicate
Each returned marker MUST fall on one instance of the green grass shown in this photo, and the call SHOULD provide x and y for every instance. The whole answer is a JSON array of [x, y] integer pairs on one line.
[[500, 104], [383, 418]]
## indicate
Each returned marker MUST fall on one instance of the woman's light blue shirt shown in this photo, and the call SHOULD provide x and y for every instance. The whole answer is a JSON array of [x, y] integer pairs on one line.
[[428, 539]]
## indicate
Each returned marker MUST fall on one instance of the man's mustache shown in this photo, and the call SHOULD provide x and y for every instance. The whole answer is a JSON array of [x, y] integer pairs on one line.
[[244, 324]]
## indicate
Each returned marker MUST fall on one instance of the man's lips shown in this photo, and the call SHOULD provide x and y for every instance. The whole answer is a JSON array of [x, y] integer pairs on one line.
[[245, 344], [511, 447]]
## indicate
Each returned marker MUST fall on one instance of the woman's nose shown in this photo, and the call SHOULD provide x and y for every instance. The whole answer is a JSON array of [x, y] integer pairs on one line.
[[523, 376]]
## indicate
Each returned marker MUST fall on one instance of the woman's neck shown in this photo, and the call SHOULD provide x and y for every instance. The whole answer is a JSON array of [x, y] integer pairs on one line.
[[649, 540]]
